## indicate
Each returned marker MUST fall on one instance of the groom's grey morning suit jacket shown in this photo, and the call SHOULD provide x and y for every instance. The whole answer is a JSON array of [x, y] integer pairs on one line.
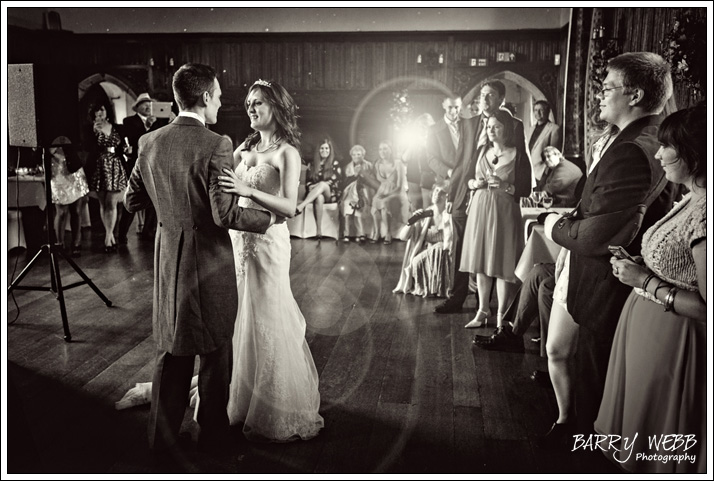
[[195, 290]]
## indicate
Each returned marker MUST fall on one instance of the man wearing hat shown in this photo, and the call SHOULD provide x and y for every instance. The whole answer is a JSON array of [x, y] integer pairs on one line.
[[134, 127]]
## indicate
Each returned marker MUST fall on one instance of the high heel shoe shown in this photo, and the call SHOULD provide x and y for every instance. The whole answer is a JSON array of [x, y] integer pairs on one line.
[[481, 320]]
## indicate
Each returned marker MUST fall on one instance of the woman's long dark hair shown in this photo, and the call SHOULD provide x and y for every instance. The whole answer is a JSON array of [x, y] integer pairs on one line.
[[316, 159], [686, 131], [284, 112]]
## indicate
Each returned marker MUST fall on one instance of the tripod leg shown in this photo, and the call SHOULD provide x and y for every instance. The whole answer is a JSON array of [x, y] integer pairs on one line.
[[55, 274], [27, 268], [86, 279]]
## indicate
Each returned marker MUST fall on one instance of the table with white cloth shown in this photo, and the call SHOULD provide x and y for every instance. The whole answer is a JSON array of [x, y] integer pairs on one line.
[[539, 249], [530, 216]]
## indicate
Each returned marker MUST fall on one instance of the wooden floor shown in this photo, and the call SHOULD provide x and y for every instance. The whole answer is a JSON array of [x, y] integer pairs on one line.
[[403, 390]]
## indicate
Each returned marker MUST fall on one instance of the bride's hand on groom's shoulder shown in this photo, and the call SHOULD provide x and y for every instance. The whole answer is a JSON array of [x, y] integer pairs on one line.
[[233, 185]]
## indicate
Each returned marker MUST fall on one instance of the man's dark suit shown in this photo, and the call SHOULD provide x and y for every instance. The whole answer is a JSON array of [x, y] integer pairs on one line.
[[467, 156], [195, 289], [134, 128], [441, 153], [625, 174]]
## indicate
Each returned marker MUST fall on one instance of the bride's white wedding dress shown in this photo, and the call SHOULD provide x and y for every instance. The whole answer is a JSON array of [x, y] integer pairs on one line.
[[274, 380], [274, 384]]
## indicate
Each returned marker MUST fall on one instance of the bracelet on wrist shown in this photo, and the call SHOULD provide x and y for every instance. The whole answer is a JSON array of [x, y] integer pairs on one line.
[[647, 281], [669, 300]]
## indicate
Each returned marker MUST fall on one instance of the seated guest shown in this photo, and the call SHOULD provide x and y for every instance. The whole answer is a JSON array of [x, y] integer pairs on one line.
[[543, 134], [533, 301], [390, 175], [357, 195], [323, 180], [426, 264], [655, 382], [560, 178]]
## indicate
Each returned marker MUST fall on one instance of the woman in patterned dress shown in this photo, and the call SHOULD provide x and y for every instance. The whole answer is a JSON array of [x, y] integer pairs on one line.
[[109, 178]]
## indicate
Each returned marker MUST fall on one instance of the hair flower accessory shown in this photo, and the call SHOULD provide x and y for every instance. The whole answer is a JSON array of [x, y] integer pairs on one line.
[[262, 82]]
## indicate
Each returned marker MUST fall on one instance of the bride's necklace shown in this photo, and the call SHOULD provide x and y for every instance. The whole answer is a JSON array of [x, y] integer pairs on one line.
[[273, 144]]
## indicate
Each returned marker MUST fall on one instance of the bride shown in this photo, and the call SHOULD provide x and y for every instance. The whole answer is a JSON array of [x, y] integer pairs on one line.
[[274, 383]]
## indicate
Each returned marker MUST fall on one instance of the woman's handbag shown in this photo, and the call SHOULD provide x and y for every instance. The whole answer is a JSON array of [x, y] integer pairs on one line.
[[594, 234]]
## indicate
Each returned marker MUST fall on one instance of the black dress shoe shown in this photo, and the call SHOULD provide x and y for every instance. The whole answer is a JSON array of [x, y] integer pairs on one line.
[[447, 307], [503, 340], [560, 436], [480, 339]]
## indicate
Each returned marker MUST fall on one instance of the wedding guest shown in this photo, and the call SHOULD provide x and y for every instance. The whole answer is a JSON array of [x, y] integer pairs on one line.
[[473, 141], [426, 265], [588, 299], [357, 195], [142, 122], [656, 374], [109, 179], [544, 133], [560, 178], [493, 240], [390, 175], [324, 177], [69, 191]]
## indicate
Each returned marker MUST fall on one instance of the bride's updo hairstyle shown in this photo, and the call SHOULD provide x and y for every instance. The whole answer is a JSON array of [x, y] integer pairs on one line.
[[284, 112]]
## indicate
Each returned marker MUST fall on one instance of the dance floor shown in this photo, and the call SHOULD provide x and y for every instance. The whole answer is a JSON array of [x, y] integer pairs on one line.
[[403, 390]]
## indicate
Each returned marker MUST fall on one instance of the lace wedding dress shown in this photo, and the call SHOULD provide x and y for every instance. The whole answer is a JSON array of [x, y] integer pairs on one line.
[[274, 384]]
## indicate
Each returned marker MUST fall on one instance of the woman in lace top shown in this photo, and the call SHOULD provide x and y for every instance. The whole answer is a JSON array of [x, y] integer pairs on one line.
[[656, 379]]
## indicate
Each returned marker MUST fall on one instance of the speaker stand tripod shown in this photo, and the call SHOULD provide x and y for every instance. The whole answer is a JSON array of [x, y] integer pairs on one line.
[[55, 251]]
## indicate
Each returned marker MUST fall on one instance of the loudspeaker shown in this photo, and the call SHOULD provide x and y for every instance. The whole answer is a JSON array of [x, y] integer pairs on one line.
[[41, 104]]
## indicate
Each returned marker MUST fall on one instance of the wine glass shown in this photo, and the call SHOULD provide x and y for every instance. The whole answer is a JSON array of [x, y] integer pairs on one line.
[[547, 200], [537, 197]]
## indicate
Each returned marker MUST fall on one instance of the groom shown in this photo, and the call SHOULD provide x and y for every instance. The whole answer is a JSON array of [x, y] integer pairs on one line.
[[195, 290]]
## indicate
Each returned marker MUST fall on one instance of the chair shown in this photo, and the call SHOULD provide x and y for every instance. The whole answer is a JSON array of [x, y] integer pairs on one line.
[[303, 225]]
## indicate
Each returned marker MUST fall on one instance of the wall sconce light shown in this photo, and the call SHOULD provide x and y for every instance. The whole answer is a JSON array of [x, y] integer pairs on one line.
[[431, 60], [556, 59], [151, 61], [171, 62]]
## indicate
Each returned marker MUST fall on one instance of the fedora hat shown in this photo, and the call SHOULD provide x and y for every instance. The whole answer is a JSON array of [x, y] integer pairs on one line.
[[145, 97]]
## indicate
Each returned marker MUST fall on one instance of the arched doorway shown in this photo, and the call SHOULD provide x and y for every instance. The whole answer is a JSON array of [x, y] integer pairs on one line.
[[521, 94]]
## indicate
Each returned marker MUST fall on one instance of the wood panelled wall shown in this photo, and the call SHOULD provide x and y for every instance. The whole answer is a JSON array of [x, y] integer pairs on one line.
[[329, 74]]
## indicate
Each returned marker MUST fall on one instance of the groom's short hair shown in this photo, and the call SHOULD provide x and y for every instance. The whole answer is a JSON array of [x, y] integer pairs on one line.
[[189, 83]]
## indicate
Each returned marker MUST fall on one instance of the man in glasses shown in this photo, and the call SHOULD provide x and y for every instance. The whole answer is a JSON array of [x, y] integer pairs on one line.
[[622, 174]]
